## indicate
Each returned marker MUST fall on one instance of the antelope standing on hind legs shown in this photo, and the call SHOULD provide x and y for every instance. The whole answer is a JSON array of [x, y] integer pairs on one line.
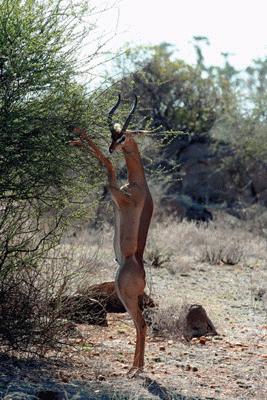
[[133, 207]]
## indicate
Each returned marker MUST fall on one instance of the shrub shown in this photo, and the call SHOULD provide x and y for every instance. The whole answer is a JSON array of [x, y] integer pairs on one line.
[[158, 257], [163, 321], [32, 300], [218, 251], [40, 175]]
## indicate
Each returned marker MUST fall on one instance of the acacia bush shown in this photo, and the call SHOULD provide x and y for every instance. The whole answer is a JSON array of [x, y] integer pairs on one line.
[[44, 183], [33, 300], [26, 322]]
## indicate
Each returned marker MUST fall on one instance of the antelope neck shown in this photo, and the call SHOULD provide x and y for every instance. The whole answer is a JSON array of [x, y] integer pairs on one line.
[[133, 162]]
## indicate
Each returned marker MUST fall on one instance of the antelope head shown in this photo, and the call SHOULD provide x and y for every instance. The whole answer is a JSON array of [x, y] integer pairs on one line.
[[119, 134]]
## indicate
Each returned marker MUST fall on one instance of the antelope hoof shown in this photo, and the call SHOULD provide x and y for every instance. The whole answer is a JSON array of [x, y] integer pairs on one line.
[[134, 372]]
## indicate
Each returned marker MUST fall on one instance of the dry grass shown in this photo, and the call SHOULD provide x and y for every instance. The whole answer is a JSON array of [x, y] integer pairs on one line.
[[158, 257], [231, 292], [164, 321], [223, 241], [32, 300]]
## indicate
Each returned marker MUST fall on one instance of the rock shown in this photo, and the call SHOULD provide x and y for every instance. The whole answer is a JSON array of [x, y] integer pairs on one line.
[[83, 309], [259, 179], [184, 208], [194, 322], [203, 176], [198, 213], [92, 304], [260, 294], [106, 294], [202, 340], [207, 172], [262, 197]]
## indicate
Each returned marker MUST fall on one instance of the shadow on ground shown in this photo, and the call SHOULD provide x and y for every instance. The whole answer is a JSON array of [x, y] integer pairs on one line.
[[158, 390], [34, 379]]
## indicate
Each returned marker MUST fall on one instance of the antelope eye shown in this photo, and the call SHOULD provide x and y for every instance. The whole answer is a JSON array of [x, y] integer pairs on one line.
[[121, 140]]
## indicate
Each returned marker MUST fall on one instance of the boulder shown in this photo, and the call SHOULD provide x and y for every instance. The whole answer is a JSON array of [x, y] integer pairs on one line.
[[106, 295], [92, 304], [82, 309], [184, 208], [204, 172], [262, 197], [259, 179], [194, 322]]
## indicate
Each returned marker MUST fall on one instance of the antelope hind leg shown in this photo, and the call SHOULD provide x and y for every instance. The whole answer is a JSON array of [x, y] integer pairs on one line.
[[130, 284]]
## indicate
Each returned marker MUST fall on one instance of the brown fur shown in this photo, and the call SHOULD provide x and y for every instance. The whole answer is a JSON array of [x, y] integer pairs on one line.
[[133, 207]]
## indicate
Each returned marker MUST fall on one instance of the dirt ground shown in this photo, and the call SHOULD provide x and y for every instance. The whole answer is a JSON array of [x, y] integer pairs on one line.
[[231, 365]]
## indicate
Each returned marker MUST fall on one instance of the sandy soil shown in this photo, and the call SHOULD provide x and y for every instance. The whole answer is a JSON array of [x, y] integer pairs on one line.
[[229, 366]]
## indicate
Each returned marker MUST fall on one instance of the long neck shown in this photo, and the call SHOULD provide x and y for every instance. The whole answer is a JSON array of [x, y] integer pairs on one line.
[[134, 163]]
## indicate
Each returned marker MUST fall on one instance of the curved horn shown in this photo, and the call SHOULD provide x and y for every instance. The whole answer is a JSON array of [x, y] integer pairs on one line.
[[130, 116], [110, 114]]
